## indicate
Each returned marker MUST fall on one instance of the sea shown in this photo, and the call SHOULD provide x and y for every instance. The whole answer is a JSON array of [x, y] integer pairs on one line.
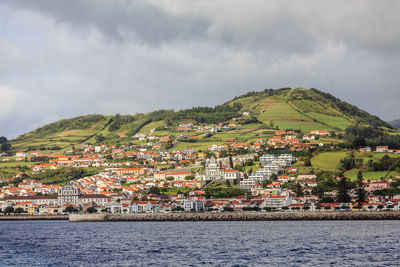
[[284, 243]]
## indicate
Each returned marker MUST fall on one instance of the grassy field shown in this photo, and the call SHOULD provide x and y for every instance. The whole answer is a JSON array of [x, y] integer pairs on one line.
[[305, 126], [6, 164], [366, 156], [352, 175], [203, 146], [332, 121], [286, 117], [282, 110], [152, 125], [329, 140], [328, 161]]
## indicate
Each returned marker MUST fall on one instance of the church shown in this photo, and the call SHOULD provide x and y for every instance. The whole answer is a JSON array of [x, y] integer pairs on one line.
[[71, 195], [216, 171]]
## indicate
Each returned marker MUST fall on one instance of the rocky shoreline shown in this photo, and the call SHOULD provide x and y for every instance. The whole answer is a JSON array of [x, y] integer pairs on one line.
[[208, 216], [242, 216]]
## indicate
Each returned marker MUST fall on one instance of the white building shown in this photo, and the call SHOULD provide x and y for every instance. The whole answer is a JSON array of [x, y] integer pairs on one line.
[[231, 175], [145, 207], [214, 170], [265, 159], [194, 204], [277, 202], [71, 195]]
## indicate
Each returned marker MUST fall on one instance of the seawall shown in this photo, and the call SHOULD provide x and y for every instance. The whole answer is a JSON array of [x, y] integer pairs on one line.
[[32, 217], [240, 216]]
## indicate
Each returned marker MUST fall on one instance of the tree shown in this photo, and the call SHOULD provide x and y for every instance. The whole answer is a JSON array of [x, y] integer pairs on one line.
[[361, 193], [70, 209], [299, 190], [3, 140], [238, 167], [19, 211], [273, 177], [177, 208], [5, 147], [8, 210], [170, 178], [230, 157], [307, 162], [343, 188], [154, 190], [99, 138], [91, 210], [265, 182], [348, 163]]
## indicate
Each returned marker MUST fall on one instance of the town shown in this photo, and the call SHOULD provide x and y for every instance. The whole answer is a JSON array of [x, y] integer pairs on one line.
[[261, 175]]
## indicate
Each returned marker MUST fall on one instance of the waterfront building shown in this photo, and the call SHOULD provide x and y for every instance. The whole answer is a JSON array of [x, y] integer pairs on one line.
[[194, 204], [276, 202], [71, 195]]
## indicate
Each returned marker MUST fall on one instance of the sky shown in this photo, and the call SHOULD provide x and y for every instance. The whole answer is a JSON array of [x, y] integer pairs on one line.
[[61, 59]]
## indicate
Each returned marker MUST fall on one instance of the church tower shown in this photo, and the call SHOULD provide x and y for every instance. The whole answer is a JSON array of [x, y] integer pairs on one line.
[[214, 170]]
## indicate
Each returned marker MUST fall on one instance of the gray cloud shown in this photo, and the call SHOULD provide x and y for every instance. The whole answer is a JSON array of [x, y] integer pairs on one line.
[[119, 19], [67, 58]]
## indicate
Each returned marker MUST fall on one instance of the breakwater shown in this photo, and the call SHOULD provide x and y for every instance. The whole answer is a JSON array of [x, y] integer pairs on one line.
[[239, 216], [32, 217]]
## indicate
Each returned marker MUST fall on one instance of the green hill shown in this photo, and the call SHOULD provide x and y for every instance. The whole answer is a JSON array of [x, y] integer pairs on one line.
[[300, 109], [305, 109]]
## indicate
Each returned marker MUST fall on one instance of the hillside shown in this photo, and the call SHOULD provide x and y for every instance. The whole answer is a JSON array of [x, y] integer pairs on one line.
[[269, 110], [395, 123]]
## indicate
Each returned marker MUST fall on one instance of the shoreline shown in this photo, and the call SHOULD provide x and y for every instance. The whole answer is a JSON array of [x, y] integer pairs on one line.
[[242, 216], [33, 217], [208, 216]]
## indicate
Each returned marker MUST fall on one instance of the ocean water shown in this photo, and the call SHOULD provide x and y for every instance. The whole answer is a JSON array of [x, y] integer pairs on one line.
[[289, 243]]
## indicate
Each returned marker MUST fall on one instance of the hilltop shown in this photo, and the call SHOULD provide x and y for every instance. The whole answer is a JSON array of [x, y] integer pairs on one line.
[[252, 115]]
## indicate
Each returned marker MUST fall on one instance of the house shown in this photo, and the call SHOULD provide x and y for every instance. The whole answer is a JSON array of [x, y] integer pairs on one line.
[[365, 149], [176, 175], [382, 149], [320, 132], [189, 151], [20, 155], [231, 175], [131, 171], [145, 207], [247, 183], [377, 185], [40, 200]]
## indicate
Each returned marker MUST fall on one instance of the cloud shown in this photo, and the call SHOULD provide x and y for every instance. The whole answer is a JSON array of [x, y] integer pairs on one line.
[[7, 102], [62, 59]]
